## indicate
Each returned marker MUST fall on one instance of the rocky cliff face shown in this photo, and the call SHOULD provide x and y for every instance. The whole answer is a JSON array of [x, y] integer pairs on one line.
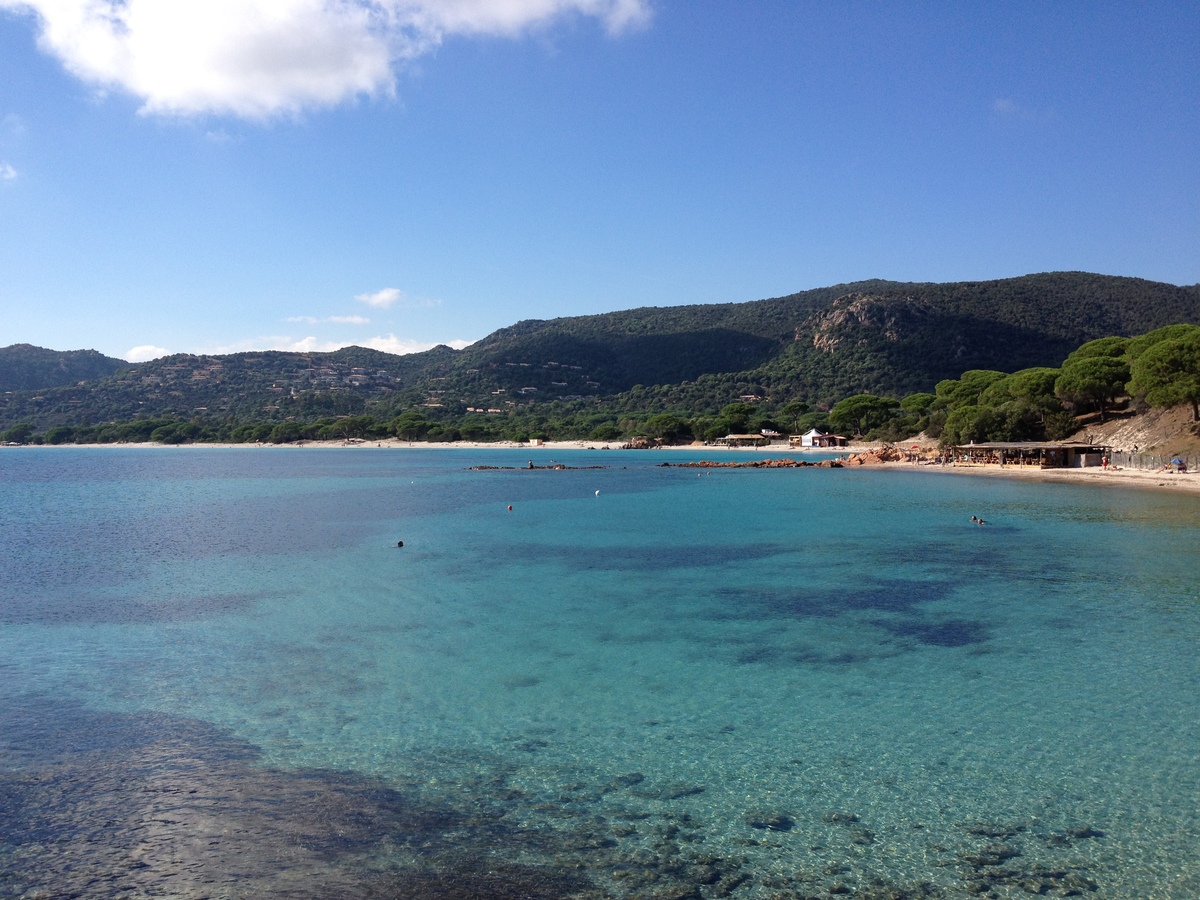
[[846, 320]]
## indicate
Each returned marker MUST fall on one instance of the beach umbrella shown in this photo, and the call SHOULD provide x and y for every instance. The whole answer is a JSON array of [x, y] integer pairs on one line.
[[1177, 461]]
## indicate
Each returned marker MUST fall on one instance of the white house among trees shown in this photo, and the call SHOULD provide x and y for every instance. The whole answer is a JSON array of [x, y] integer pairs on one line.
[[817, 438]]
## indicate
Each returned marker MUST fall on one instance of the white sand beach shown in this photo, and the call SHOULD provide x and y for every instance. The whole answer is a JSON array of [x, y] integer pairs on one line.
[[1110, 477], [1094, 475]]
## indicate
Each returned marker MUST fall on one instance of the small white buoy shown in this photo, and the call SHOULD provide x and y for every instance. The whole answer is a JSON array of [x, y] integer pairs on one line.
[[597, 493]]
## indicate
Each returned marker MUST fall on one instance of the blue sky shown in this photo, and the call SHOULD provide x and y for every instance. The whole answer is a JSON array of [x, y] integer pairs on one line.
[[222, 175]]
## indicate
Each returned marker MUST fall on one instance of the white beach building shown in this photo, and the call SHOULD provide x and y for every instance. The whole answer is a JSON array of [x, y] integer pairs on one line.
[[817, 438]]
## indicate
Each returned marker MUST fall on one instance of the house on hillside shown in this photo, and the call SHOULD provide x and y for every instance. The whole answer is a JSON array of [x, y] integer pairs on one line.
[[817, 438]]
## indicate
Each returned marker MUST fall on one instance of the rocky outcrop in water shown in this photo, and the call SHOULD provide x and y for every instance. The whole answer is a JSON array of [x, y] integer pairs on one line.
[[874, 457], [756, 464]]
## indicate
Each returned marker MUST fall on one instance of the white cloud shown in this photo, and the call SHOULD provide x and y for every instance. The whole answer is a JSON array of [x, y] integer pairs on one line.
[[7, 172], [511, 17], [393, 344], [261, 58], [336, 320], [311, 344], [288, 343], [389, 297], [145, 353], [381, 299], [305, 345], [1007, 108]]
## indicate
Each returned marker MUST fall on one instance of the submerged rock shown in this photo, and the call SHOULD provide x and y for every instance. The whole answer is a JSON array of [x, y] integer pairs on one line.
[[623, 782], [770, 821], [991, 855], [994, 829], [670, 791], [863, 837], [839, 818]]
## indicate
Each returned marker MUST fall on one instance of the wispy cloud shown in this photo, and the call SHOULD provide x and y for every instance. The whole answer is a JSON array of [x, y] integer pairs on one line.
[[145, 353], [7, 172], [336, 320], [1007, 108], [381, 299], [311, 344], [389, 297], [262, 58], [393, 344]]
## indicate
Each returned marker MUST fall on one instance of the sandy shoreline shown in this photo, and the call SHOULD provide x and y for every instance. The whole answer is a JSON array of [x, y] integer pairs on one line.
[[394, 444], [1095, 475], [1112, 477]]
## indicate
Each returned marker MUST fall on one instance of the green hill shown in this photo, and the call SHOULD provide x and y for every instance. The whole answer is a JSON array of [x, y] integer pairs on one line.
[[24, 367], [880, 337]]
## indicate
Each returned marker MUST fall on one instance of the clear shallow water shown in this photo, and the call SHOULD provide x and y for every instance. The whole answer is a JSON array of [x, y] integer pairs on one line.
[[220, 677]]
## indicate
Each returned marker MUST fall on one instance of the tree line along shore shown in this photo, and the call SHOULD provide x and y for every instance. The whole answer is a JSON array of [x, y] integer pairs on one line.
[[1159, 369]]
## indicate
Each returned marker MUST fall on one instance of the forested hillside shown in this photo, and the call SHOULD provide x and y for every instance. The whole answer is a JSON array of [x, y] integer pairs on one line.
[[24, 367], [814, 348]]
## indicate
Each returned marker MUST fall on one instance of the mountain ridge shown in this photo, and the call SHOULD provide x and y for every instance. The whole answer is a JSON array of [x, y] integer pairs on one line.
[[26, 367], [875, 336]]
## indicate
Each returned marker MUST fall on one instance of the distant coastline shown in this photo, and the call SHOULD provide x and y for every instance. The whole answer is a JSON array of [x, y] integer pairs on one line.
[[1140, 479]]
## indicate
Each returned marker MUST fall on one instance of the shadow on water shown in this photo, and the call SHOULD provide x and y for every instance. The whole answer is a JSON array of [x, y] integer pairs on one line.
[[955, 633], [118, 805], [113, 805], [641, 557], [894, 595], [96, 608], [901, 612]]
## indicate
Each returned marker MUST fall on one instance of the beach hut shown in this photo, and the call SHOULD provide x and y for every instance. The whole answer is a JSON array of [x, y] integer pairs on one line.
[[817, 438], [1045, 454], [744, 440]]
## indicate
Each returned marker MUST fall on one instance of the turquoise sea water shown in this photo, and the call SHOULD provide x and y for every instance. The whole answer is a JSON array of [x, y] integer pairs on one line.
[[219, 676]]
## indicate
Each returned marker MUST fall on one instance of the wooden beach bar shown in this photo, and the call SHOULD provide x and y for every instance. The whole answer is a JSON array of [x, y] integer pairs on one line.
[[1045, 454]]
